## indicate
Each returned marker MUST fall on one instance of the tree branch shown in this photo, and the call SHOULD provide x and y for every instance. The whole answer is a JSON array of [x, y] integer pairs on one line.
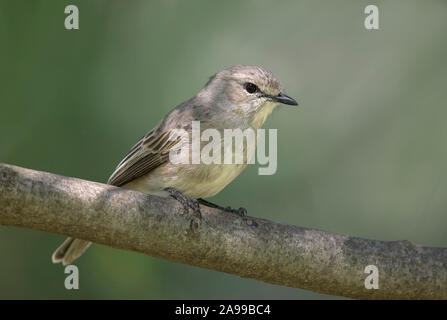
[[249, 247]]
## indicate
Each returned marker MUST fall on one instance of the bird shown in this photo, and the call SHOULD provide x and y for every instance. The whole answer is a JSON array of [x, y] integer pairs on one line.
[[239, 97]]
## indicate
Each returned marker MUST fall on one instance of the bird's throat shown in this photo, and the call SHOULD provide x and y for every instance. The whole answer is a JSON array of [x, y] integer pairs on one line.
[[262, 113]]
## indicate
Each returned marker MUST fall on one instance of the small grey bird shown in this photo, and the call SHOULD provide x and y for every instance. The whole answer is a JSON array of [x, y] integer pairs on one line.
[[240, 97]]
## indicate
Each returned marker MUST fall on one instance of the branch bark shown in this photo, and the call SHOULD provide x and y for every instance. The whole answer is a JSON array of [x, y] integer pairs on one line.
[[248, 247]]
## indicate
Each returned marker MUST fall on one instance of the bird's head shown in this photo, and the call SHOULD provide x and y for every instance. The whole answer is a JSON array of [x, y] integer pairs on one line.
[[249, 92]]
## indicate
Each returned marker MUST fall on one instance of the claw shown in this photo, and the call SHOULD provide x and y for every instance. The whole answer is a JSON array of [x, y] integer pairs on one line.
[[241, 211]]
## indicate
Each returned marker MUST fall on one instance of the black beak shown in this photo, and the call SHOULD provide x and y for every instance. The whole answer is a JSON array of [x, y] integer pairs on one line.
[[282, 98]]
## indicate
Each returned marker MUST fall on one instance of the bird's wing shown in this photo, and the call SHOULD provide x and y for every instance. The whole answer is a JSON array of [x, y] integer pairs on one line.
[[147, 154]]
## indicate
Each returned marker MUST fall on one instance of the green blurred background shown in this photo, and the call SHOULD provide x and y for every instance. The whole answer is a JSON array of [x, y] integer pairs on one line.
[[365, 154]]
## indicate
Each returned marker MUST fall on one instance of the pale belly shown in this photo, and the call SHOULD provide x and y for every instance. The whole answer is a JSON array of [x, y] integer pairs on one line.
[[195, 181], [210, 181]]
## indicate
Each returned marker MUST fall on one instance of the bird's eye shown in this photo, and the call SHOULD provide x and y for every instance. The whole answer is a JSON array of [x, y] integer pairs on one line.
[[250, 87]]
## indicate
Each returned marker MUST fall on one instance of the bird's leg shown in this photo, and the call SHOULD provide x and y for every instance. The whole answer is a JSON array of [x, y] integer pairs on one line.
[[185, 201], [241, 211]]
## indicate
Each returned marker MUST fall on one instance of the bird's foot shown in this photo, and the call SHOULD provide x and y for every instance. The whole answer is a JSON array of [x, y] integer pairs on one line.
[[188, 203], [241, 211]]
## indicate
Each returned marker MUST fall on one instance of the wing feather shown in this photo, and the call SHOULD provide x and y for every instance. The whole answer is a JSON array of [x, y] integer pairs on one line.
[[147, 154]]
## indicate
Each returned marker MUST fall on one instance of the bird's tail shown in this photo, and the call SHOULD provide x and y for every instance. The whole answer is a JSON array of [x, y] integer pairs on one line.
[[70, 250]]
